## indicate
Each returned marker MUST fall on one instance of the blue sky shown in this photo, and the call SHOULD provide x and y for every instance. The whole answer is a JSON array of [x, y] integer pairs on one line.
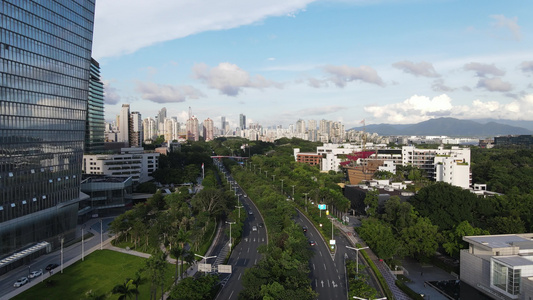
[[276, 61]]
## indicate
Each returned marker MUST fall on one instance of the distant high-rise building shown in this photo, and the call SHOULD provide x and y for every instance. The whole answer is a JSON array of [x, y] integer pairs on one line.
[[311, 125], [242, 121], [192, 129], [172, 129], [94, 131], [208, 129], [124, 124], [161, 117], [136, 130], [149, 129], [223, 124], [45, 59], [300, 126]]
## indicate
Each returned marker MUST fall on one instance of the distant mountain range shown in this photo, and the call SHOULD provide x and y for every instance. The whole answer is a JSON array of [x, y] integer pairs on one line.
[[454, 128]]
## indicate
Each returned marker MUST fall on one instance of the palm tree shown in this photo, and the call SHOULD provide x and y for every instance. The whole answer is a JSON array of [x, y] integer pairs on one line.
[[125, 290], [138, 280]]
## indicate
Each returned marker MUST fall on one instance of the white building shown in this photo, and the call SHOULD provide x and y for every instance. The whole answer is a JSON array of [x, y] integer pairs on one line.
[[500, 266], [134, 162]]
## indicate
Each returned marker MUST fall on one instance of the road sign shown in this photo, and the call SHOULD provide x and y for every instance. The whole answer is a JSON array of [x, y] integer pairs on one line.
[[332, 242], [224, 268], [322, 206], [204, 267]]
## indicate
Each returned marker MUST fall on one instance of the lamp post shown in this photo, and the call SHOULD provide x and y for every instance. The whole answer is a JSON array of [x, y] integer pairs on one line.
[[239, 207], [357, 264], [281, 186], [82, 246], [273, 178], [230, 223], [293, 191], [101, 234], [306, 201], [266, 174]]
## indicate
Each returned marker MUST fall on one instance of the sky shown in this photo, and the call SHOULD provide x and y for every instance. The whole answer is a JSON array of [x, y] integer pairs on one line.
[[277, 61]]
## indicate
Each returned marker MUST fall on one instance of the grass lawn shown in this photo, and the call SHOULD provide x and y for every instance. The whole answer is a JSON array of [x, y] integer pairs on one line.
[[100, 272]]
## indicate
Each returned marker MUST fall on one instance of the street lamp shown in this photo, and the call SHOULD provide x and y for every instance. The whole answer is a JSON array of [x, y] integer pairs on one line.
[[273, 178], [266, 174], [239, 207], [82, 246], [62, 240], [357, 249], [230, 223], [306, 201], [281, 186], [293, 191], [101, 234]]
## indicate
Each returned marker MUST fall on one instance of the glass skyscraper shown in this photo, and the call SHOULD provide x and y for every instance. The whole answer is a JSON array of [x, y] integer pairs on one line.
[[94, 136], [45, 61]]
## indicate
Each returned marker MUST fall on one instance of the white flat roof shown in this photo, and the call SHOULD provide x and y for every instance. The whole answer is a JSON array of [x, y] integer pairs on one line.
[[497, 241]]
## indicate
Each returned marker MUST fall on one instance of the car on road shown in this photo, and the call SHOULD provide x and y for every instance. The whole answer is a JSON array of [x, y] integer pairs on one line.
[[261, 225], [22, 281], [51, 267], [312, 243], [304, 228], [254, 228], [35, 274], [250, 212]]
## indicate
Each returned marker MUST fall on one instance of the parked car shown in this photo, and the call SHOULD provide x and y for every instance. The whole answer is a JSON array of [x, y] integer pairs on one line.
[[36, 274], [312, 243], [22, 281], [51, 267], [254, 228]]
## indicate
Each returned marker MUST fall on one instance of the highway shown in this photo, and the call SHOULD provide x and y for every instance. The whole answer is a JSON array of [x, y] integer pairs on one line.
[[244, 254], [327, 274]]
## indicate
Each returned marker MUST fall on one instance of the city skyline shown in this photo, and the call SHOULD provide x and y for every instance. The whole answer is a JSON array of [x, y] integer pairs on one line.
[[382, 61]]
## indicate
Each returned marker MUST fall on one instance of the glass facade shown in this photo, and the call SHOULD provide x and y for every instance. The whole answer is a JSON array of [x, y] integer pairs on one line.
[[94, 136], [45, 59], [506, 278]]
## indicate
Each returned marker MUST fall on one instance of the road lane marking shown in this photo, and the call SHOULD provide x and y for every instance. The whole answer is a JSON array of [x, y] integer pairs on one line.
[[325, 267]]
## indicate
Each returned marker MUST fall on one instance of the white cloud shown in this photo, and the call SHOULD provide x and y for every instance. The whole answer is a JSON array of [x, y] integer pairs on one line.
[[527, 66], [161, 93], [319, 111], [421, 108], [229, 79], [418, 69], [111, 95], [483, 70], [341, 75], [439, 86], [494, 84], [125, 26], [507, 23]]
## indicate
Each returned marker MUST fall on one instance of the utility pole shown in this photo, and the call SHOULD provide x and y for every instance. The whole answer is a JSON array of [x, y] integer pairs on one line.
[[230, 223], [281, 186]]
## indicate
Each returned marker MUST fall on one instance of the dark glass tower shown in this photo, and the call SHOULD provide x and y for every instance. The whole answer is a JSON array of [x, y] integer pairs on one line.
[[45, 59], [94, 136]]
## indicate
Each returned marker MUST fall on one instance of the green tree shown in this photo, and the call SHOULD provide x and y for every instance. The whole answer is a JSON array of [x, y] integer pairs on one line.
[[454, 238], [125, 290], [378, 235], [371, 202], [420, 239]]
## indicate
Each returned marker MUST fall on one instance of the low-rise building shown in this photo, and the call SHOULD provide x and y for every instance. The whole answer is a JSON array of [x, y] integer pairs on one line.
[[500, 266], [134, 162]]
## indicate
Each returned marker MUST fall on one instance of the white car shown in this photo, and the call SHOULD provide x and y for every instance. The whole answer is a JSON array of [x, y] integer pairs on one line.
[[22, 281], [35, 274], [254, 228]]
